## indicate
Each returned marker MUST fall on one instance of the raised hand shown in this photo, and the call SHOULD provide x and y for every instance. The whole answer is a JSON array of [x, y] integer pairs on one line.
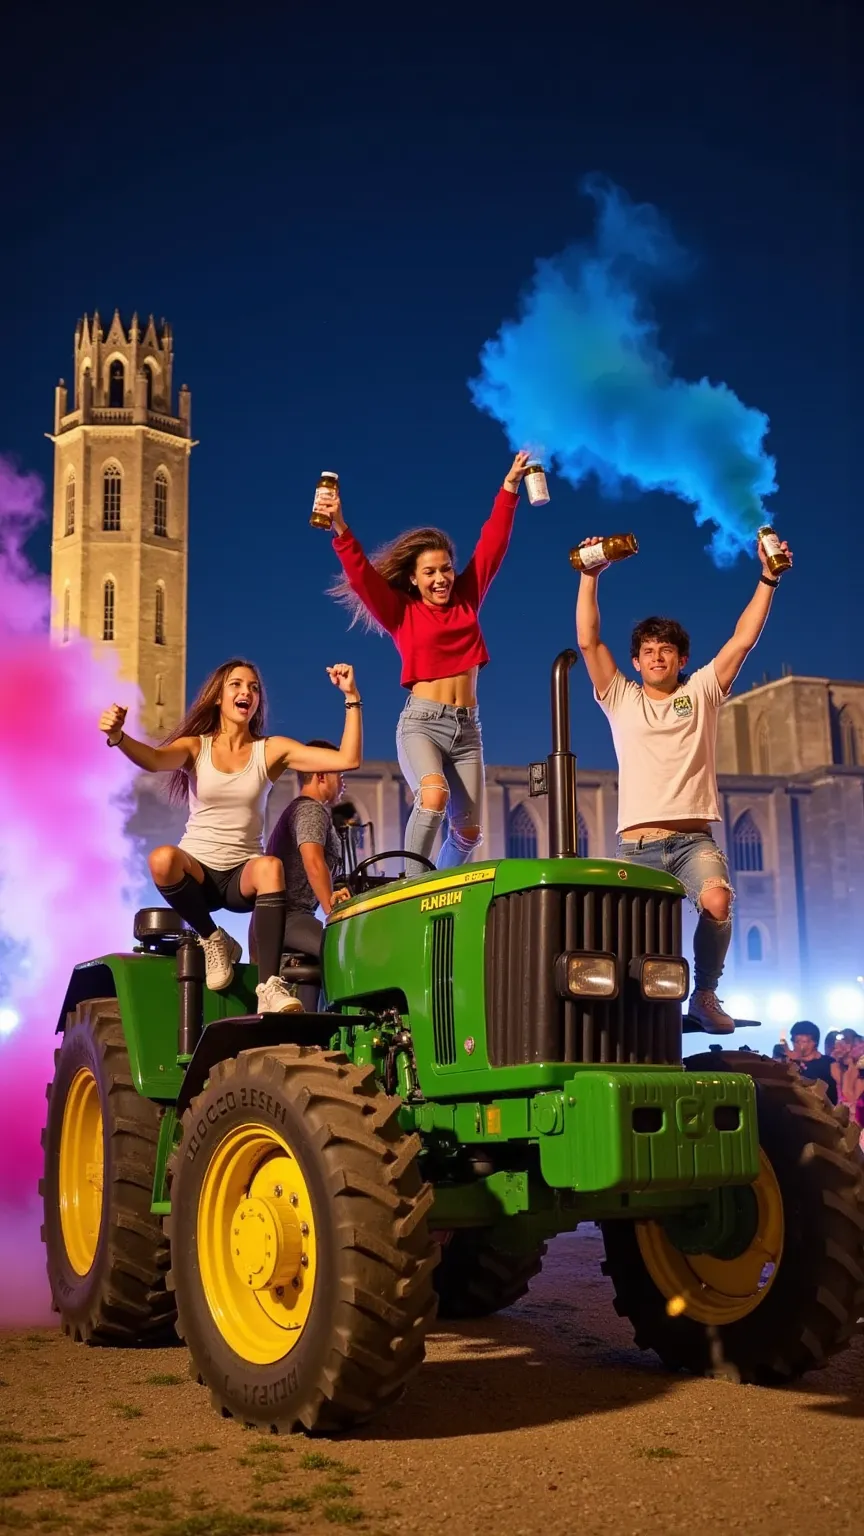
[[764, 558], [342, 677], [516, 473], [112, 720], [334, 507]]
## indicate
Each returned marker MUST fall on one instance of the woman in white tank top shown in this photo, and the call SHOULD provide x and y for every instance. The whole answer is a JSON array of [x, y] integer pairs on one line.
[[222, 761]]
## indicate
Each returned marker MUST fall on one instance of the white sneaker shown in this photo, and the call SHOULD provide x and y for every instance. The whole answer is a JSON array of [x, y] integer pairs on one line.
[[221, 953], [274, 997]]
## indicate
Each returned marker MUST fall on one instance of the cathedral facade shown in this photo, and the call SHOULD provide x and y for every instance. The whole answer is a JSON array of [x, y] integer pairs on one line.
[[790, 752]]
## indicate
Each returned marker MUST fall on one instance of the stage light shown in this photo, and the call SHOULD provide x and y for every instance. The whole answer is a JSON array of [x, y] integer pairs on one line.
[[9, 1020], [845, 1005], [782, 1008], [741, 1006]]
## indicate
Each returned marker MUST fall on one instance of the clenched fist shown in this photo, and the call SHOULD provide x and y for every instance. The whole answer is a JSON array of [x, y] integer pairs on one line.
[[342, 677], [111, 721]]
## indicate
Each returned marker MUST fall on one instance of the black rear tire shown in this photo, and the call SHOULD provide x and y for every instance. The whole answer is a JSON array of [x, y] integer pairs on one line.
[[372, 1300], [122, 1297], [811, 1309], [478, 1276]]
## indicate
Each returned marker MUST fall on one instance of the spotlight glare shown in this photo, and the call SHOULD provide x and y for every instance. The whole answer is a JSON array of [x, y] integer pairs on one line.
[[782, 1008], [9, 1020], [741, 1006], [845, 1005]]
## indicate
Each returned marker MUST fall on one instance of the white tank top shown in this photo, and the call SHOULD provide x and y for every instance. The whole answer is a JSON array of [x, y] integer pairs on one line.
[[226, 810]]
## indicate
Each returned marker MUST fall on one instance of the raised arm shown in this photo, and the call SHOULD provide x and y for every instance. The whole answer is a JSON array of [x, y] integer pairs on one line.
[[599, 662], [384, 602], [731, 657], [284, 752], [180, 754], [491, 546]]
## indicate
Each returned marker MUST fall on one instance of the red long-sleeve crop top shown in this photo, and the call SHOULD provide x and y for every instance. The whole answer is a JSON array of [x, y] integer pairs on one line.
[[434, 642]]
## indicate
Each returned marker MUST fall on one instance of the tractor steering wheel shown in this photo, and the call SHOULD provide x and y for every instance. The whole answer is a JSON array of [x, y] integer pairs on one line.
[[359, 881]]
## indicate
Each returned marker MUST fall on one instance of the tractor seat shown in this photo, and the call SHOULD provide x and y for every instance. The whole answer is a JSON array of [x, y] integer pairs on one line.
[[159, 928], [300, 969]]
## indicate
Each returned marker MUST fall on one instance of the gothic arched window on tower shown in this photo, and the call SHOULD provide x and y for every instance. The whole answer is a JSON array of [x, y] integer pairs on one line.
[[160, 504], [112, 482], [116, 385], [67, 608], [747, 845], [754, 944], [850, 735], [70, 502], [108, 610], [521, 834], [581, 836], [148, 374], [159, 626]]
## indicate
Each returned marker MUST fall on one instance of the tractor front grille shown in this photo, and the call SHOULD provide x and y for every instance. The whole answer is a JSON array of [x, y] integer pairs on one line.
[[443, 1018], [527, 1021]]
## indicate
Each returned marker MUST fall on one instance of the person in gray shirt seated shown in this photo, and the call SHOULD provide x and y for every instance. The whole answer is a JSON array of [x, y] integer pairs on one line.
[[310, 848]]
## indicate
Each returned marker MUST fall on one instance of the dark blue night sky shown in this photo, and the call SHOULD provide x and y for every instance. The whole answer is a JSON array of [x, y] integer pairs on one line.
[[336, 210]]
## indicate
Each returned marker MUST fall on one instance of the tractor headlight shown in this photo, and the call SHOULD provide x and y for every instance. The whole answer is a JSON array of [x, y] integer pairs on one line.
[[586, 975], [661, 980]]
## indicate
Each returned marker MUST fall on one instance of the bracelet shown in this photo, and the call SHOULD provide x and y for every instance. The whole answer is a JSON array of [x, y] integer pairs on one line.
[[117, 742], [767, 582], [355, 704]]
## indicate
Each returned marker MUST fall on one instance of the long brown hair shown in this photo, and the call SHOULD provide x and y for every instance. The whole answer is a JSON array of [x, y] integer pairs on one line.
[[202, 719], [396, 562]]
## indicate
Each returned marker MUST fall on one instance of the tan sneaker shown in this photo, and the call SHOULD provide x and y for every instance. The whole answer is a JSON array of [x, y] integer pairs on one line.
[[274, 997], [221, 954], [705, 1009]]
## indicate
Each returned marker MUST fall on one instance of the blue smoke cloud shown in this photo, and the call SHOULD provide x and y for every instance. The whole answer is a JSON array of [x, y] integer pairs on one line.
[[580, 378]]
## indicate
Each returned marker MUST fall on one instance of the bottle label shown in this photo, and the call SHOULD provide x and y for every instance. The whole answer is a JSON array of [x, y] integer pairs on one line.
[[538, 490], [771, 544], [592, 557]]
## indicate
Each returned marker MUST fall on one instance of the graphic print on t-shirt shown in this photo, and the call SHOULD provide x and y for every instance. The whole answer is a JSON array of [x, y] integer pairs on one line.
[[682, 705]]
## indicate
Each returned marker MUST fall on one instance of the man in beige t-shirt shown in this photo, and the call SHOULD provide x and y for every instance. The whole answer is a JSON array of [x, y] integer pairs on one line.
[[665, 734]]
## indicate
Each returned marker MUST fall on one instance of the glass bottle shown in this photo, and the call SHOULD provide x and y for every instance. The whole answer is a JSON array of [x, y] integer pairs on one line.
[[778, 560], [596, 557], [326, 492], [536, 485]]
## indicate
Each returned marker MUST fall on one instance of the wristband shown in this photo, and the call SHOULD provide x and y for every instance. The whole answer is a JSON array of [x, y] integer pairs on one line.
[[117, 742], [355, 704], [767, 581]]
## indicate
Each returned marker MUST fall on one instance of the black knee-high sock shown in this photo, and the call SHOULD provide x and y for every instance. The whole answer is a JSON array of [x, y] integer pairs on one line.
[[187, 898], [270, 932]]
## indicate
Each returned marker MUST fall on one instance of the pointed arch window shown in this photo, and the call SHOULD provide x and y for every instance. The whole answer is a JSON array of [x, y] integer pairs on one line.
[[160, 503], [850, 733], [108, 609], [116, 385], [159, 625], [70, 503], [747, 845], [754, 944], [149, 372], [521, 834], [112, 483], [67, 612]]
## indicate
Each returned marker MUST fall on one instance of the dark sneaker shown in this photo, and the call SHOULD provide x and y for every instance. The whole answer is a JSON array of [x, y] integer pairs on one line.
[[706, 1010]]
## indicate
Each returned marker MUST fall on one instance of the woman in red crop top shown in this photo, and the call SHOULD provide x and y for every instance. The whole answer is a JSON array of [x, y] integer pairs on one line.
[[410, 589]]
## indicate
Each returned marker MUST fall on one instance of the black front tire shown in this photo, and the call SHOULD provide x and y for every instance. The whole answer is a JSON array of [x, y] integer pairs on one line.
[[122, 1298], [373, 1300], [810, 1311], [478, 1276]]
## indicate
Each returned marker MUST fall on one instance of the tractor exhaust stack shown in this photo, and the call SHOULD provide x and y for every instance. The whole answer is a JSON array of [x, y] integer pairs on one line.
[[561, 765]]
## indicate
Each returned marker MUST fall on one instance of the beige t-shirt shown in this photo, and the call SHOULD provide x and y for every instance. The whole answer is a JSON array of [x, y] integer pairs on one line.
[[666, 750]]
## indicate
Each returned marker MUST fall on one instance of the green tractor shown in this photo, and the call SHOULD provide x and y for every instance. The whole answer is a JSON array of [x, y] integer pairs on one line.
[[500, 1060]]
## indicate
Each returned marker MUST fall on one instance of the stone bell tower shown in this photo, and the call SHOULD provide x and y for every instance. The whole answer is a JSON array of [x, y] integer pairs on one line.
[[120, 542]]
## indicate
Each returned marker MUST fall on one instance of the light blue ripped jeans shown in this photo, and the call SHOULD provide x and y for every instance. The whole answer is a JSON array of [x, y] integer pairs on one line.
[[695, 860], [442, 743]]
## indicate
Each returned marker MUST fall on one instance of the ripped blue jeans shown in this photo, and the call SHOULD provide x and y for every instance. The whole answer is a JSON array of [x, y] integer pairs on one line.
[[695, 860], [441, 746]]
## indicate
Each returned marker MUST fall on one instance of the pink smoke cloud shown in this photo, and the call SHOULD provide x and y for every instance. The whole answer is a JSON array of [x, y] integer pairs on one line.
[[65, 864]]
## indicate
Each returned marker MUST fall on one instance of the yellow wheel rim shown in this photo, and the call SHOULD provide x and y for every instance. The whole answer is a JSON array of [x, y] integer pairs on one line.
[[719, 1291], [256, 1244], [82, 1162]]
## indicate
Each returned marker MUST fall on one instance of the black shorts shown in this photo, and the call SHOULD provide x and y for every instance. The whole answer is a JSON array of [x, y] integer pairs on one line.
[[221, 889]]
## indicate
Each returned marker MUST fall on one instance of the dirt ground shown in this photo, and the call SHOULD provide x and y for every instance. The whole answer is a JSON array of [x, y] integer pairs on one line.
[[543, 1419]]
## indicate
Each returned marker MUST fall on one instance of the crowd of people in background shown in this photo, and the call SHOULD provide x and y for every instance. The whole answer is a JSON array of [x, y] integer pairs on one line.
[[840, 1066]]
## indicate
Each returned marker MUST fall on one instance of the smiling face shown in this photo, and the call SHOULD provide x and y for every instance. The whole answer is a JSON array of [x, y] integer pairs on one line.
[[434, 577], [240, 697], [659, 664]]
